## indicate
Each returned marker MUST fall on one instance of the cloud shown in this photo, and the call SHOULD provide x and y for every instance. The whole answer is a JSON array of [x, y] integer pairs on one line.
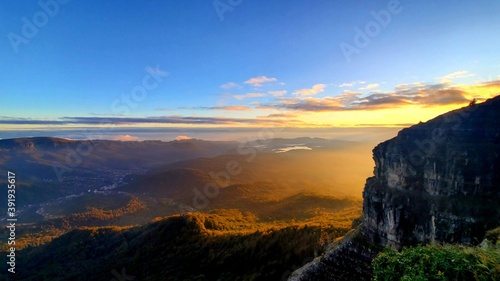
[[229, 85], [381, 100], [258, 81], [442, 97], [370, 86], [111, 122], [227, 108], [404, 94], [310, 104], [490, 84], [125, 138], [414, 94], [249, 95], [259, 105], [412, 85], [181, 138], [446, 79], [277, 93], [352, 84], [318, 88], [339, 103], [279, 115], [346, 85], [347, 97], [29, 121], [165, 109]]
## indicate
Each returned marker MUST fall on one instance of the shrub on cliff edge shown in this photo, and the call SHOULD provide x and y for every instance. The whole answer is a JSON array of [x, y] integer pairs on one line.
[[434, 262]]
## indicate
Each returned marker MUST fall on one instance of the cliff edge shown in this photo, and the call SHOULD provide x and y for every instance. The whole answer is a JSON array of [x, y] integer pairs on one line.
[[435, 182]]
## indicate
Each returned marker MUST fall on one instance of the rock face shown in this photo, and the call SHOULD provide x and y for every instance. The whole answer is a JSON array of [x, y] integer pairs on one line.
[[349, 260], [436, 182]]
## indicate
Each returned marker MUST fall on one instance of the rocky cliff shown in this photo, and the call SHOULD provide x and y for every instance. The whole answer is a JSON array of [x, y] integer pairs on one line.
[[436, 182]]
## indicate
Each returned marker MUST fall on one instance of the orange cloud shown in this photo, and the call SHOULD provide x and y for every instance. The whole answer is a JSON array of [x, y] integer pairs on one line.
[[318, 88], [179, 138], [279, 115], [415, 94], [231, 108]]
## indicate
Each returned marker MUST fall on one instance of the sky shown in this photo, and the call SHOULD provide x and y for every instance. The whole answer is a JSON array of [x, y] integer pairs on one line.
[[187, 65]]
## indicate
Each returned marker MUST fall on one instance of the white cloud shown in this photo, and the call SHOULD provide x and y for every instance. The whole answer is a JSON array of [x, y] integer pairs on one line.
[[258, 81], [352, 84], [447, 79], [249, 95], [318, 88], [346, 85], [229, 85], [277, 93], [414, 86], [370, 86]]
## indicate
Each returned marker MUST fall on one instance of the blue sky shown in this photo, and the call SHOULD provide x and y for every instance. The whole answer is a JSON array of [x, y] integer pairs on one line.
[[245, 61]]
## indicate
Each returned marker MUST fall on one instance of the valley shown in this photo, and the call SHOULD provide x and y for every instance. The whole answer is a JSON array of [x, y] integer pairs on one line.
[[308, 185]]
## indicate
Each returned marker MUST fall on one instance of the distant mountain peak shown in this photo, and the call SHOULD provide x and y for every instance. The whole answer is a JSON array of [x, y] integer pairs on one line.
[[33, 143]]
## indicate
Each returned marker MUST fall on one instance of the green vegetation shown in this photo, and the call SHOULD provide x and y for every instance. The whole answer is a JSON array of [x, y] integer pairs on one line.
[[433, 262], [221, 245], [43, 232], [127, 211]]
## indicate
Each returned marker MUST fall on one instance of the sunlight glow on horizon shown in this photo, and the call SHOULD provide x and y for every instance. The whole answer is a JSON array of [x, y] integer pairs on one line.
[[386, 116]]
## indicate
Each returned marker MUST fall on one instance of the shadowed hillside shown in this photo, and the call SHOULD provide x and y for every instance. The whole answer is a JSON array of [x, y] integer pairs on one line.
[[189, 247]]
